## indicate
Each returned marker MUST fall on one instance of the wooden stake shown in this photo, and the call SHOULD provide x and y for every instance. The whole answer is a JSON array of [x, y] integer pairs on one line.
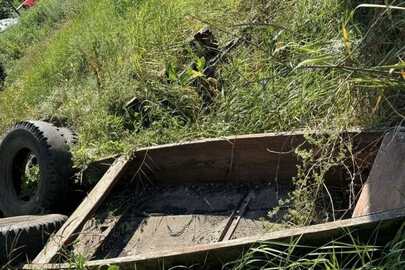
[[235, 217]]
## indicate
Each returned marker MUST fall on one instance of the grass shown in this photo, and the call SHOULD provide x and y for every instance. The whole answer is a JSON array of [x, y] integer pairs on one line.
[[351, 250], [326, 65], [336, 255], [60, 70], [80, 75]]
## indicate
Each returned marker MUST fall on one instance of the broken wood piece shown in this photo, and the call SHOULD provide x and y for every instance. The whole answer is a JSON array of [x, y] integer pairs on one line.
[[235, 217], [241, 213], [212, 63], [212, 256], [205, 44], [385, 186], [214, 57], [134, 104], [83, 212]]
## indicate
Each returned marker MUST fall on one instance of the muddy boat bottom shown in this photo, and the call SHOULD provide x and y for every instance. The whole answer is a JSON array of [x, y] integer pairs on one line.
[[168, 216]]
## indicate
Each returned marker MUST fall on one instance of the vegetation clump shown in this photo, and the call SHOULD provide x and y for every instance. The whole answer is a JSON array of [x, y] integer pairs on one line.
[[346, 253]]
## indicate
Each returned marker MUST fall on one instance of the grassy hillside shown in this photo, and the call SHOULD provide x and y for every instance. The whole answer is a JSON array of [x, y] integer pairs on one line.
[[79, 62], [298, 64]]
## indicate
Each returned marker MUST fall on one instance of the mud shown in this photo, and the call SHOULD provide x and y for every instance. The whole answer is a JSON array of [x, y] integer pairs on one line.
[[163, 217]]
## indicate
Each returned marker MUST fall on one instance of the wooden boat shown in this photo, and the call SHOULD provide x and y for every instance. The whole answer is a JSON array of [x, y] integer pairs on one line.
[[216, 186]]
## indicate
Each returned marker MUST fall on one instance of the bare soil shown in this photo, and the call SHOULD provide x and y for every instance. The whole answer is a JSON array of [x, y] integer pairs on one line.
[[163, 217]]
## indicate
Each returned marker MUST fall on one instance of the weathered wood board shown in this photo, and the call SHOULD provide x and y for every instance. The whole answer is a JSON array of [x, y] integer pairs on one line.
[[385, 186], [267, 157], [215, 254], [82, 213]]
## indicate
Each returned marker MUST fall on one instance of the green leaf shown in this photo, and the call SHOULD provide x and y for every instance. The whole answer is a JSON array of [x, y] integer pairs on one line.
[[200, 64], [313, 61], [346, 39], [379, 6], [171, 72], [195, 74], [399, 65]]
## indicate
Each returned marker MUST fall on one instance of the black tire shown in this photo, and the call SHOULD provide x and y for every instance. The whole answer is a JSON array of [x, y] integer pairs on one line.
[[23, 237], [48, 146]]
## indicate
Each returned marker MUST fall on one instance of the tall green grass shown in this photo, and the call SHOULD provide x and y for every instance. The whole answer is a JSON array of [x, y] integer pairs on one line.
[[81, 61], [347, 252], [86, 63]]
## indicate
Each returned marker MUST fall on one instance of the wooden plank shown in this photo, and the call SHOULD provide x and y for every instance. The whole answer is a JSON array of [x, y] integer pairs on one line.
[[83, 212], [256, 158], [240, 214], [385, 186], [215, 254], [234, 219], [227, 225]]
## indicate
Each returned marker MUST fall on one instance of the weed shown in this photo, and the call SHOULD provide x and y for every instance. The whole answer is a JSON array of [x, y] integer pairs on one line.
[[311, 201], [350, 253], [77, 261]]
